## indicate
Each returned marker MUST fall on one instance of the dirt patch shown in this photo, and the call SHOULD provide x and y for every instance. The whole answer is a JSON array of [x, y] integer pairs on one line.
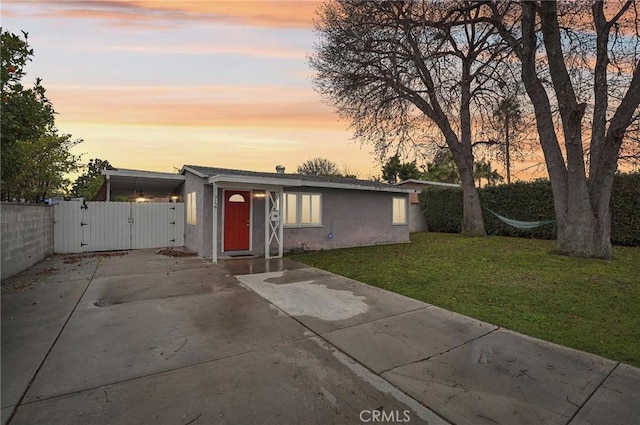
[[19, 284], [47, 270], [176, 253], [26, 282], [72, 259]]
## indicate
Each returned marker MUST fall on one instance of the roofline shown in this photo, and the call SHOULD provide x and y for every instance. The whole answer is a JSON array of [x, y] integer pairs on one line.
[[288, 182], [191, 170], [284, 182], [142, 174], [230, 178], [428, 183], [353, 186]]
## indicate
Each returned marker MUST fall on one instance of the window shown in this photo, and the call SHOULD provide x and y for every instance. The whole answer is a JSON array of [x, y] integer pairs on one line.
[[302, 209], [290, 209], [191, 208], [399, 211]]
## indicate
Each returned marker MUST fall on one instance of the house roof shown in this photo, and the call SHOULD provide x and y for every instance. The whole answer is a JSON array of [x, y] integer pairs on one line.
[[125, 183], [426, 183], [215, 175]]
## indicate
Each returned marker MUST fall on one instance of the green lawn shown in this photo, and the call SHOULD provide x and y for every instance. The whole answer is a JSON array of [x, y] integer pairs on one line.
[[591, 305]]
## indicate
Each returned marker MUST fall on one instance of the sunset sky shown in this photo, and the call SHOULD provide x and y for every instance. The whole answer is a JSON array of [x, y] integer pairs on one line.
[[155, 85]]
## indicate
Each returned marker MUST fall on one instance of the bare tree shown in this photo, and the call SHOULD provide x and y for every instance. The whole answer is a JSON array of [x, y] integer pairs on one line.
[[578, 57], [398, 71], [319, 167]]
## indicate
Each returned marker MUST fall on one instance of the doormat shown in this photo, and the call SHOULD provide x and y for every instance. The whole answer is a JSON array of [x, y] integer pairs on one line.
[[240, 255]]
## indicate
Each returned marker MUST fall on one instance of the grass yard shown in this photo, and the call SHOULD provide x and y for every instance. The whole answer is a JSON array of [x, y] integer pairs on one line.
[[591, 305]]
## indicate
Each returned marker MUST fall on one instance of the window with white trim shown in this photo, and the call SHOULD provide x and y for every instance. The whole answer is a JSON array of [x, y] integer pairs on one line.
[[290, 208], [302, 209], [191, 208], [399, 215]]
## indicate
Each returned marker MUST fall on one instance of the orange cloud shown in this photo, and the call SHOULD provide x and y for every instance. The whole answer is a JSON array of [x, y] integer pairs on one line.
[[261, 13], [194, 106], [264, 13]]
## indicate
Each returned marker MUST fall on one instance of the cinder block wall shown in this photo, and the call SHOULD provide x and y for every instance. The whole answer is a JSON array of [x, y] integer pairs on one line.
[[27, 236]]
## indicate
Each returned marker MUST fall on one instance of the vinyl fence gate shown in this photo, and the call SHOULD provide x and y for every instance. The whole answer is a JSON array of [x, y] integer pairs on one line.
[[112, 226]]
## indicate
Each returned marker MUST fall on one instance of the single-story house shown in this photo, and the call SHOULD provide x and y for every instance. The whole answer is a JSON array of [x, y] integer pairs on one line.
[[257, 213], [417, 222]]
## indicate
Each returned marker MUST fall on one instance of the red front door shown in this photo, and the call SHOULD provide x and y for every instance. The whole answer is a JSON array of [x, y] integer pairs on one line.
[[236, 220]]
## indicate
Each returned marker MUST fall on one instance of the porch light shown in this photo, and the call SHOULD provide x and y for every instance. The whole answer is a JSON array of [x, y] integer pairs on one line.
[[141, 198], [259, 195]]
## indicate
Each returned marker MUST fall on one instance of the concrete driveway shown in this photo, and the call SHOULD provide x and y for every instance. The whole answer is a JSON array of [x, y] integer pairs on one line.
[[145, 338]]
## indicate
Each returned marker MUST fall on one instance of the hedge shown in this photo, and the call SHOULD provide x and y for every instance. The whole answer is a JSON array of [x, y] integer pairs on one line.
[[625, 210], [531, 201]]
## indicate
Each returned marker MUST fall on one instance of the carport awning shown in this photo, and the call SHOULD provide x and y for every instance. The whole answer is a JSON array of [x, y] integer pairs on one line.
[[122, 183]]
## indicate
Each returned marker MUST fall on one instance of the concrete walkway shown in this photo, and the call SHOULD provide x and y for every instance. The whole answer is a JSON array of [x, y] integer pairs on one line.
[[145, 338]]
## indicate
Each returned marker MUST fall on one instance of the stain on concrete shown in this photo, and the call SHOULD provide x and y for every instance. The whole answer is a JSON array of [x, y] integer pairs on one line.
[[306, 298], [105, 302]]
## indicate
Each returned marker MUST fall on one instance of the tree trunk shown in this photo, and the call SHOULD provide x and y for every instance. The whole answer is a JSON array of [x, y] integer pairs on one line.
[[472, 219], [583, 231], [472, 222]]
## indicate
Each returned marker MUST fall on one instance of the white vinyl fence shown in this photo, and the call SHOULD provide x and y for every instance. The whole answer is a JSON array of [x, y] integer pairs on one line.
[[112, 226]]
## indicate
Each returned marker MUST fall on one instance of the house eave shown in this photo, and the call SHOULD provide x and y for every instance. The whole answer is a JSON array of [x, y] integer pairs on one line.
[[262, 182], [191, 170], [222, 179], [142, 174], [427, 183], [124, 183], [349, 186]]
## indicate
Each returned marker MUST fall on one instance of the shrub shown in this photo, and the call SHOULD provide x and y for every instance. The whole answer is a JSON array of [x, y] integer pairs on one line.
[[531, 201], [442, 209], [625, 210], [519, 201]]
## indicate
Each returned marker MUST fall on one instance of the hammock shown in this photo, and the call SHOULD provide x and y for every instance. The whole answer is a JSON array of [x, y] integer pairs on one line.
[[525, 225]]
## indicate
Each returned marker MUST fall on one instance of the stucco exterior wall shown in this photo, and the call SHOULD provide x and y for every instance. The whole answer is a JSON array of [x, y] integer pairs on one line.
[[417, 222], [27, 236], [257, 224], [193, 234], [208, 221], [354, 217]]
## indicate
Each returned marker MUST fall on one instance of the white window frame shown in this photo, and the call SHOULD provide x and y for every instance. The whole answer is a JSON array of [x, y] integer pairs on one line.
[[192, 216], [297, 222], [394, 204]]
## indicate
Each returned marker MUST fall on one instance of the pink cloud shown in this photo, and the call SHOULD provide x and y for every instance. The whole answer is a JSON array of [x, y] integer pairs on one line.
[[208, 49]]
